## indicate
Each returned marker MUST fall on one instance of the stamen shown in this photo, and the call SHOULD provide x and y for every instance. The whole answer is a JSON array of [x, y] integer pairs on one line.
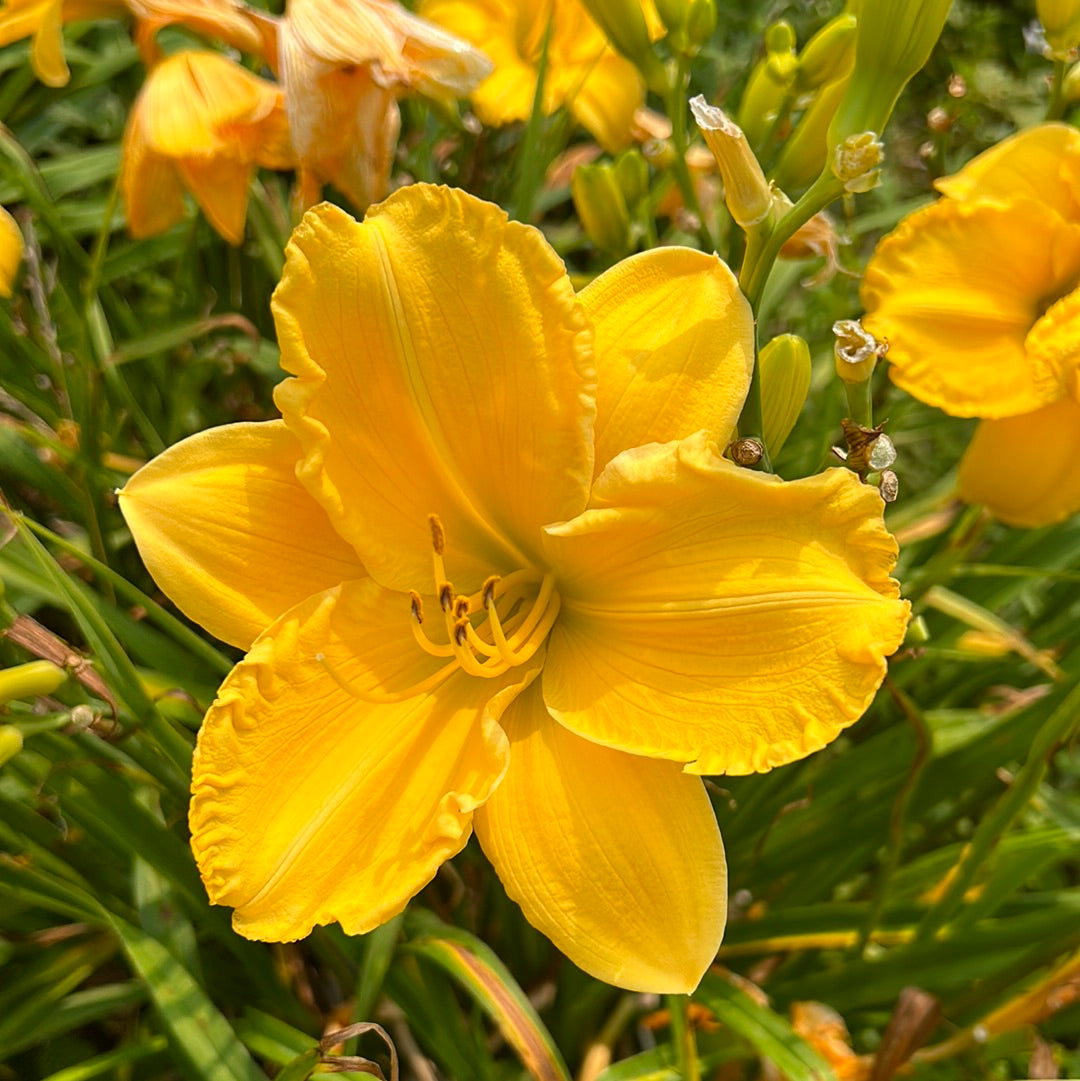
[[417, 604], [487, 591], [461, 607], [385, 698], [433, 649], [438, 534], [528, 636], [446, 596]]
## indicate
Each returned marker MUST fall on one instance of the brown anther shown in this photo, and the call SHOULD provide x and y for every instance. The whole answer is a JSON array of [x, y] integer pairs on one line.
[[461, 632], [417, 605], [446, 596], [438, 534], [746, 452], [487, 590], [461, 607]]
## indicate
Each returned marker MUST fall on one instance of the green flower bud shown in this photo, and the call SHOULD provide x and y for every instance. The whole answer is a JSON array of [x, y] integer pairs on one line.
[[624, 26], [806, 150], [632, 172], [1061, 21], [785, 380], [30, 680], [746, 191], [601, 207], [700, 22], [769, 82], [1070, 86], [11, 742], [829, 54], [894, 40]]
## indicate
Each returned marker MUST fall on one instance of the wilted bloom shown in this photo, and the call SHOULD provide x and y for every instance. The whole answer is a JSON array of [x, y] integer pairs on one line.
[[44, 20], [601, 89], [200, 123], [344, 63], [492, 573], [230, 21], [977, 296], [11, 252]]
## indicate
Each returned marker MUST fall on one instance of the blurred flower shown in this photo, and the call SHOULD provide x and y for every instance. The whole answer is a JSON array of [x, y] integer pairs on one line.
[[44, 20], [230, 21], [977, 296], [620, 620], [601, 89], [344, 63], [200, 123], [11, 252], [1061, 21]]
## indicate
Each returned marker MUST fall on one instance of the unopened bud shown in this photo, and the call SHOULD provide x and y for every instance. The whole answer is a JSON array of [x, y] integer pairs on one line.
[[30, 680], [828, 55], [785, 367], [700, 23], [894, 41], [1070, 85], [1061, 23], [659, 153], [11, 252], [806, 149], [632, 172], [746, 191], [601, 207], [11, 742], [857, 160], [769, 82], [856, 351]]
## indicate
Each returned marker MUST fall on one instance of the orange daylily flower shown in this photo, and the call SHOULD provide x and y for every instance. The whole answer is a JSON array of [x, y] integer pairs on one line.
[[201, 123], [978, 297], [344, 63], [492, 573]]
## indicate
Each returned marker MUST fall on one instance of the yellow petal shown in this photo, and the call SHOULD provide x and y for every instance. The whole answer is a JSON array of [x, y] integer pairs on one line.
[[1026, 470], [229, 534], [955, 290], [443, 367], [1053, 348], [151, 189], [47, 51], [1040, 163], [344, 124], [223, 20], [617, 859], [606, 99], [674, 349], [718, 616], [220, 187], [311, 806], [11, 252]]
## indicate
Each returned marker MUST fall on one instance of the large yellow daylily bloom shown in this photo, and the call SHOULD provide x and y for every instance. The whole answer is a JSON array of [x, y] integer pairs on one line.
[[43, 21], [979, 298], [344, 64], [201, 123], [601, 89], [627, 611]]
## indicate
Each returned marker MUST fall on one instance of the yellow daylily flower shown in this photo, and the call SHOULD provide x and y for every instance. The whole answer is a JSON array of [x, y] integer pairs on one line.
[[627, 611], [978, 297], [44, 20], [201, 123], [230, 21], [601, 89], [11, 251], [344, 63]]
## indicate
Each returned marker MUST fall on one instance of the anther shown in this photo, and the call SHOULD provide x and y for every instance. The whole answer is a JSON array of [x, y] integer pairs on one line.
[[487, 591], [446, 596], [438, 534], [461, 632], [417, 606], [461, 607]]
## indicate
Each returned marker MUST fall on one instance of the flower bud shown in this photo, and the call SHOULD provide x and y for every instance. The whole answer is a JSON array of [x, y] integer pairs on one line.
[[785, 368], [769, 81], [30, 680], [828, 55], [894, 40], [856, 351], [11, 742], [805, 151], [1061, 23], [632, 172], [601, 207], [11, 252], [700, 23], [856, 160], [1070, 86], [623, 24], [746, 191]]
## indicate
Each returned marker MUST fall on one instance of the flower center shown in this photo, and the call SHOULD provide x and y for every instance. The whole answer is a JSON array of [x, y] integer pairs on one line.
[[530, 606]]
